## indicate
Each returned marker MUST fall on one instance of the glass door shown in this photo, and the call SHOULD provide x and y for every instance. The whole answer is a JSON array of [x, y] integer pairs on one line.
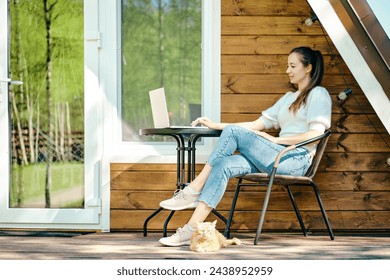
[[50, 168]]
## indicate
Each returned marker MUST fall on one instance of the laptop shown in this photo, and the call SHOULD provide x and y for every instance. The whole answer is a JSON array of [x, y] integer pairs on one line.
[[160, 110]]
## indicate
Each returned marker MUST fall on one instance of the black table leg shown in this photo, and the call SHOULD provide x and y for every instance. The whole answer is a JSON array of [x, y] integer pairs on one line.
[[181, 182], [149, 218], [216, 213], [166, 223]]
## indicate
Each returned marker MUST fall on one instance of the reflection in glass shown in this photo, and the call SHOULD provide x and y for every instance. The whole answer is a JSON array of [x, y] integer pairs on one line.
[[161, 47], [47, 111]]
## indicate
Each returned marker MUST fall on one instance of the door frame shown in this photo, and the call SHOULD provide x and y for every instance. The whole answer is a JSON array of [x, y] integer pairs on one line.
[[92, 216]]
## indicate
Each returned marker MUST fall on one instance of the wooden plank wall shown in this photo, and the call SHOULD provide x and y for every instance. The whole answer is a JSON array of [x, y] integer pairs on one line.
[[354, 178]]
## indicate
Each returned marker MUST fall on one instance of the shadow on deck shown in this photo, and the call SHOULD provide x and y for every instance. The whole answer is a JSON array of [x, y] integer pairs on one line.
[[27, 245]]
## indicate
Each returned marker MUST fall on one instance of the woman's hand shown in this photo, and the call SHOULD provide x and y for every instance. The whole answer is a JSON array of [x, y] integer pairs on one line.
[[255, 125], [206, 122]]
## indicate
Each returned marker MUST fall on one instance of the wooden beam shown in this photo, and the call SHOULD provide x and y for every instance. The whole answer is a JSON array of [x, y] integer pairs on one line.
[[358, 52]]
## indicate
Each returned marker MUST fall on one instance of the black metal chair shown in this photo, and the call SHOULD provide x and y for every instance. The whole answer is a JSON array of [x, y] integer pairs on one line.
[[264, 179]]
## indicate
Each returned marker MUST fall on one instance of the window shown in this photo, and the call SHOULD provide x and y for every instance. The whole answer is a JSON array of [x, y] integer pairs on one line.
[[161, 47], [191, 72]]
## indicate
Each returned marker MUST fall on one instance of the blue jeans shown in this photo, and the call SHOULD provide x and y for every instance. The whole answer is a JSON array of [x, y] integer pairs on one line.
[[256, 154]]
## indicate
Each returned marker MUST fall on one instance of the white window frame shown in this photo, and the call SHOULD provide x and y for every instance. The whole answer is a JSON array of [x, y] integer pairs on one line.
[[117, 150]]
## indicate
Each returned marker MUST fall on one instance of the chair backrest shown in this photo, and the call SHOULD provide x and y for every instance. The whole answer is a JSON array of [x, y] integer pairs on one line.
[[318, 156]]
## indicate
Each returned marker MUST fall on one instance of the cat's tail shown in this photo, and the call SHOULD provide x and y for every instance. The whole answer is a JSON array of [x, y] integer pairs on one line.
[[234, 241]]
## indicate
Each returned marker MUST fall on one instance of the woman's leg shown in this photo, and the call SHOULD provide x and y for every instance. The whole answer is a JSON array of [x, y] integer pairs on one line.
[[256, 154], [199, 181], [200, 214], [260, 152], [187, 198], [226, 146], [220, 173]]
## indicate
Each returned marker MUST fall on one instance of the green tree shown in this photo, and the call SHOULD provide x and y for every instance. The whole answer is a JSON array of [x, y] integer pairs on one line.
[[47, 55], [161, 46]]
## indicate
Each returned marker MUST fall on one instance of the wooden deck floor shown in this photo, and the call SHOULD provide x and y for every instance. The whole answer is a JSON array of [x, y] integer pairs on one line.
[[27, 245]]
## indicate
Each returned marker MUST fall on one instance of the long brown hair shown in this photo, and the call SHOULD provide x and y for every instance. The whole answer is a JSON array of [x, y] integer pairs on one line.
[[307, 57]]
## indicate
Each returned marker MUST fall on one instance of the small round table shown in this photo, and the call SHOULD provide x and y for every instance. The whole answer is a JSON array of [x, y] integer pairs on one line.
[[186, 138]]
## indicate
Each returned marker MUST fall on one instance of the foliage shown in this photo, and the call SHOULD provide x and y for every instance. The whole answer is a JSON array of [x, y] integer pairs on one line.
[[32, 177], [48, 109], [67, 56], [161, 46]]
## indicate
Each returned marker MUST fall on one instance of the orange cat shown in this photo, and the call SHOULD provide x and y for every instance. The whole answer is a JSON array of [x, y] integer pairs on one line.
[[207, 238]]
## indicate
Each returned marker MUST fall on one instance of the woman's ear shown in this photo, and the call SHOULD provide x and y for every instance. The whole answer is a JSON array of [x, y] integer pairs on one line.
[[309, 68]]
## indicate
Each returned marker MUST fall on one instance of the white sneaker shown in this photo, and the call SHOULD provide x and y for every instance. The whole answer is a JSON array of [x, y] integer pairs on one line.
[[180, 238], [182, 199]]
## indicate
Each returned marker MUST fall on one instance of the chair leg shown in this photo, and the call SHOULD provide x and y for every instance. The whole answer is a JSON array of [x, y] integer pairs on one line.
[[323, 211], [265, 205], [297, 212], [232, 208]]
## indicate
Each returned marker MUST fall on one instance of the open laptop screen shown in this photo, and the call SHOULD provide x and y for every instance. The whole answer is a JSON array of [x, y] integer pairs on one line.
[[159, 108]]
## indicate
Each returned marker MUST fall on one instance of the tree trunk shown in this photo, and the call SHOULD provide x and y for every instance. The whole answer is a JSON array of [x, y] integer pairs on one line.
[[37, 132], [19, 130], [69, 133], [22, 76], [161, 42], [48, 13], [19, 90], [56, 149], [61, 130], [31, 135]]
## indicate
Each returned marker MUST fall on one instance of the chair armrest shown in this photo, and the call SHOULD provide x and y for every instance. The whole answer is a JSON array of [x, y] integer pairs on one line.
[[303, 143], [314, 139]]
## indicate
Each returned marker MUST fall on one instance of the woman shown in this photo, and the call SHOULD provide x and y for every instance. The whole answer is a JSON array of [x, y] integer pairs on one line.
[[300, 115]]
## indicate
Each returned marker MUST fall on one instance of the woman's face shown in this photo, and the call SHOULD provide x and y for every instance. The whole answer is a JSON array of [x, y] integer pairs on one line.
[[298, 73]]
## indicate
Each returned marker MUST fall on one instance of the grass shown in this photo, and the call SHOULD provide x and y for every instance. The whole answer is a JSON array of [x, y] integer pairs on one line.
[[28, 182]]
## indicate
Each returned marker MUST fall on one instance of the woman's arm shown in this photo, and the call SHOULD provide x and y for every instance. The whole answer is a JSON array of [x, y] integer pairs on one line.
[[256, 125], [290, 140]]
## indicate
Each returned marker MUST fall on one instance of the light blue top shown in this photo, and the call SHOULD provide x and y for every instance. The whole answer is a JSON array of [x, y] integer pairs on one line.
[[314, 115]]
